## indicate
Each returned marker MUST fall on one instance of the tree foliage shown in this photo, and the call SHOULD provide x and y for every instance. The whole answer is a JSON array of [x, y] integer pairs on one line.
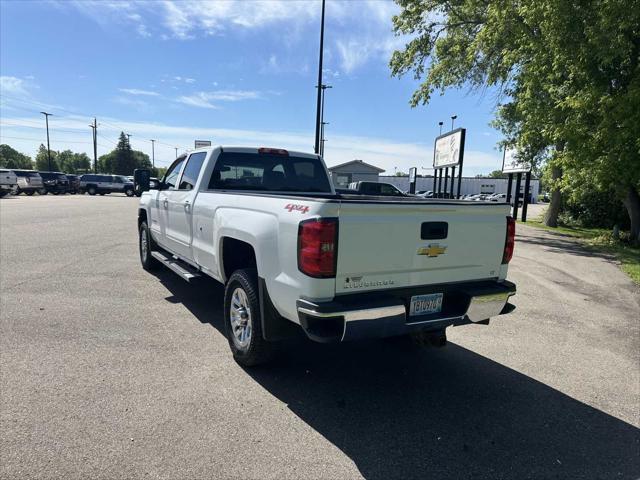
[[567, 70], [11, 158], [42, 160], [123, 160]]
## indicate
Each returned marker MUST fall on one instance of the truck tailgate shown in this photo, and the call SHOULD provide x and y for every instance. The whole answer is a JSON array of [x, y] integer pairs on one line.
[[384, 245]]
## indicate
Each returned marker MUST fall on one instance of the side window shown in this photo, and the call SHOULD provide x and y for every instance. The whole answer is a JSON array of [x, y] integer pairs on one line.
[[117, 180], [192, 170], [171, 177]]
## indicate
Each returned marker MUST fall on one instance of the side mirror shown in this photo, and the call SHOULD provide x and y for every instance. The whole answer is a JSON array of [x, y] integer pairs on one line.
[[141, 180]]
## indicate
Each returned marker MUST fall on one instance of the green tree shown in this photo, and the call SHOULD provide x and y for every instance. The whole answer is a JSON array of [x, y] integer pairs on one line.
[[497, 174], [71, 162], [42, 160], [11, 158], [568, 70], [123, 160]]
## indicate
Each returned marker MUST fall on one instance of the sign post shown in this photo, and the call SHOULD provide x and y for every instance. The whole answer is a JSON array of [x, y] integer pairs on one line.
[[413, 171], [511, 164], [448, 152]]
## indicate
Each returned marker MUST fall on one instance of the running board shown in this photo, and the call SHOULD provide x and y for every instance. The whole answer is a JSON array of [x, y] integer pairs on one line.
[[186, 272]]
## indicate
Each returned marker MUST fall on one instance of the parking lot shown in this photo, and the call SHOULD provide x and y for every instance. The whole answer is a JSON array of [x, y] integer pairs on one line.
[[109, 372]]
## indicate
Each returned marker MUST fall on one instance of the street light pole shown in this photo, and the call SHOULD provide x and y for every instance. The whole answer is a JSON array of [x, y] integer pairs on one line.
[[176, 148], [94, 128], [319, 97], [440, 125], [453, 117], [46, 119], [153, 153]]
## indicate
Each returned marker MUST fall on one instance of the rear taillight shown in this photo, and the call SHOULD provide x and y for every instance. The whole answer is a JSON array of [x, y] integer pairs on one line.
[[509, 241], [273, 151], [318, 247]]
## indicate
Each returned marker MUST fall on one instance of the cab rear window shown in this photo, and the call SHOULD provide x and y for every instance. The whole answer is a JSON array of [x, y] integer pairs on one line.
[[269, 172]]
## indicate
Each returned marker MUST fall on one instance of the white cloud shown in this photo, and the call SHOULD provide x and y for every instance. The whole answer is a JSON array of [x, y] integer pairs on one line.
[[13, 86], [360, 31], [206, 99], [383, 152], [135, 91]]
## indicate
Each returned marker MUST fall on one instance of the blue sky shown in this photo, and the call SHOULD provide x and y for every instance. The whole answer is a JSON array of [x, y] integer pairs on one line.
[[234, 72]]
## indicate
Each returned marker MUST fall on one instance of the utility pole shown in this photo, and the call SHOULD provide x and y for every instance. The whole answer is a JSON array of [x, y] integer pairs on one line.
[[322, 138], [440, 125], [319, 99], [46, 119], [94, 127], [128, 138], [176, 148], [153, 153], [322, 122], [453, 117]]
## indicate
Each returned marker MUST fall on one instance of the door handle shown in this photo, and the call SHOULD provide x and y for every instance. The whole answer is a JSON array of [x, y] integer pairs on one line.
[[187, 206], [165, 203]]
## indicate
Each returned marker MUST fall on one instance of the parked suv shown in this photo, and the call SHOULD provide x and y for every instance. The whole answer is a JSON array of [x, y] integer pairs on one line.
[[54, 182], [92, 184], [8, 182], [29, 181], [74, 183]]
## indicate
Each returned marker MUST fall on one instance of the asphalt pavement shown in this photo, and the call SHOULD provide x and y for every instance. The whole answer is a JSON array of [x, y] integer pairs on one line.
[[107, 371]]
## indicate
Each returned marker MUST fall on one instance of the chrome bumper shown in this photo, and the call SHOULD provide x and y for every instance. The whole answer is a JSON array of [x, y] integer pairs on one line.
[[384, 314]]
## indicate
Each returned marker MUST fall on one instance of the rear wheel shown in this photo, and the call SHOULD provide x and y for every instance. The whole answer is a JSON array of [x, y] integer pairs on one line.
[[147, 245], [243, 321], [129, 192], [92, 190], [42, 191]]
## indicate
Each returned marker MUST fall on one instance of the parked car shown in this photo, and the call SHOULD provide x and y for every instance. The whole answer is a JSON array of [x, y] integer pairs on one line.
[[103, 184], [74, 183], [376, 188], [29, 182], [8, 182], [295, 256], [54, 182], [498, 197], [424, 193]]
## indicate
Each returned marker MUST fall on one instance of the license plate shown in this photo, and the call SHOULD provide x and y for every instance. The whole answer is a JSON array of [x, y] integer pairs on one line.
[[425, 304]]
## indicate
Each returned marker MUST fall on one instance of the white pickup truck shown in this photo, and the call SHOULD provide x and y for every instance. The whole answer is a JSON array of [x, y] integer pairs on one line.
[[294, 255]]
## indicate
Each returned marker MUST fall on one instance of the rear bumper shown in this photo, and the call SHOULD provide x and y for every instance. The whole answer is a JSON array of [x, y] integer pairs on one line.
[[383, 314]]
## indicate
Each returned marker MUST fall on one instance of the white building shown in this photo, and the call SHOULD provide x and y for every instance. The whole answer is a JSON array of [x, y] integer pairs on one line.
[[353, 171], [469, 185]]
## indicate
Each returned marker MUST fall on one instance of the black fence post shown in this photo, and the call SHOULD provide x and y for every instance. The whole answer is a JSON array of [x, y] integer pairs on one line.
[[517, 195], [527, 185], [509, 185]]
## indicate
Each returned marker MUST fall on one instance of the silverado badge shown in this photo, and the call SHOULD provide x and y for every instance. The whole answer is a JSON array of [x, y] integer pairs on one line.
[[432, 250]]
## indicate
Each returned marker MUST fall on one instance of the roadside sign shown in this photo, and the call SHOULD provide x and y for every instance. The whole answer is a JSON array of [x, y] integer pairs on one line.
[[512, 164], [203, 143], [449, 149]]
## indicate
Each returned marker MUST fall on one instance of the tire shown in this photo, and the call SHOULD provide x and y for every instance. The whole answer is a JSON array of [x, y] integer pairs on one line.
[[242, 320], [129, 192], [146, 245], [29, 192], [42, 191], [92, 190]]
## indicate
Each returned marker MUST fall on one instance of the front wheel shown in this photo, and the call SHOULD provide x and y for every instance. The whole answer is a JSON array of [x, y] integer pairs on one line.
[[129, 192], [92, 190], [43, 191], [147, 245], [242, 320]]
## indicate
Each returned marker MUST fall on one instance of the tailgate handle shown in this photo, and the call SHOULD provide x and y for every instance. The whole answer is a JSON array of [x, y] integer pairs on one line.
[[434, 230]]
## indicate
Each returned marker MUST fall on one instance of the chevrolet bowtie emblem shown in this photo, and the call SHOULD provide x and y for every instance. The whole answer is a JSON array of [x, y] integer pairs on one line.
[[432, 250]]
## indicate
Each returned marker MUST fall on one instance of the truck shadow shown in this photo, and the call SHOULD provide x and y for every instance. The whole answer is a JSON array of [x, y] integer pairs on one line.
[[448, 413]]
